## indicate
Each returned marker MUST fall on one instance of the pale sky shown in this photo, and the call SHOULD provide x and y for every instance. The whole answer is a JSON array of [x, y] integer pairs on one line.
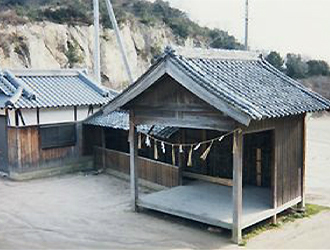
[[298, 26]]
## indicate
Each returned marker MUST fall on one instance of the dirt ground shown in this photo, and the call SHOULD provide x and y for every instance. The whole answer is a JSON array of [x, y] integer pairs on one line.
[[93, 212]]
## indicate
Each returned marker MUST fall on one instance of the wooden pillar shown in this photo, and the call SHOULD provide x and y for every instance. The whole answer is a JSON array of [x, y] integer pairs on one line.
[[103, 147], [180, 167], [237, 186], [301, 205], [274, 175], [133, 140], [181, 159]]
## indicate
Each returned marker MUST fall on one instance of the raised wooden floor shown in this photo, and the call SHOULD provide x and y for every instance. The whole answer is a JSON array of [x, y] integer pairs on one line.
[[211, 203]]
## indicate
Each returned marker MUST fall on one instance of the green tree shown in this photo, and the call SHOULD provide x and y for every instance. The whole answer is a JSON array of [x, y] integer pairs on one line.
[[318, 68], [275, 59], [73, 54], [222, 40], [295, 66]]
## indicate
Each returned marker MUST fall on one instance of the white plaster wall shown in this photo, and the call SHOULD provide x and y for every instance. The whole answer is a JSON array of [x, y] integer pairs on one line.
[[49, 115], [56, 115], [11, 117], [29, 116], [82, 113], [2, 112]]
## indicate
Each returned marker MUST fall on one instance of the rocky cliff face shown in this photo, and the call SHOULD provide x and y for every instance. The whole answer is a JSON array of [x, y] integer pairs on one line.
[[52, 46]]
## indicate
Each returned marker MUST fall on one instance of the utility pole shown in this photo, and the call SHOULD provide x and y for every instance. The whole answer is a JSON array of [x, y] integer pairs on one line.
[[119, 40], [246, 44], [97, 58]]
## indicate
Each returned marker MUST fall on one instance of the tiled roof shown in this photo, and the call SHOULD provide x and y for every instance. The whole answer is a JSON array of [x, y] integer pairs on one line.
[[240, 84], [120, 120], [44, 89], [248, 83]]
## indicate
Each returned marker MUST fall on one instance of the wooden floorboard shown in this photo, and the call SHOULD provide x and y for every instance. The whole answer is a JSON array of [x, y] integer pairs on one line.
[[210, 203]]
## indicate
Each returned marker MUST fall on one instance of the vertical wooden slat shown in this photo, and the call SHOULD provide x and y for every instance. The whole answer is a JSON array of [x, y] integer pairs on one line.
[[237, 187], [301, 205], [279, 175], [286, 183], [274, 175]]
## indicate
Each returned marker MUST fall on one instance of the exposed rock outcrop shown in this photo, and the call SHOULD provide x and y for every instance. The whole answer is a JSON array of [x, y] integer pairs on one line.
[[48, 45]]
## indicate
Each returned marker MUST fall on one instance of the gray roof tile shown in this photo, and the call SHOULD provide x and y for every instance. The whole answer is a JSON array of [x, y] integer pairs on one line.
[[120, 120], [53, 89], [251, 85]]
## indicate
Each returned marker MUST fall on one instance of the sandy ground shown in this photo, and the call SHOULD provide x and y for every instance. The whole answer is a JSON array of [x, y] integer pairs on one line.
[[93, 212], [89, 212]]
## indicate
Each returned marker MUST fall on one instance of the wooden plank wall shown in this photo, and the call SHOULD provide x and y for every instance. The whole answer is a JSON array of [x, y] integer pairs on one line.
[[288, 154], [150, 170], [168, 103], [25, 152]]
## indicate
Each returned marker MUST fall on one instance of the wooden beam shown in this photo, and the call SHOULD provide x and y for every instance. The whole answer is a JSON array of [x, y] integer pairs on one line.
[[237, 186], [197, 121], [16, 118], [21, 116], [202, 177], [133, 140], [302, 204], [38, 116], [75, 115]]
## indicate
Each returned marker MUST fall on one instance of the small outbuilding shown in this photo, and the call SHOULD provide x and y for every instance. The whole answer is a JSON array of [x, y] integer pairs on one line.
[[40, 120], [241, 98]]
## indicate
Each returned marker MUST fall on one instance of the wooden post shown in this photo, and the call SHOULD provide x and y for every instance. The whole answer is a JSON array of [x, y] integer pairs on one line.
[[181, 159], [274, 175], [133, 160], [301, 205], [237, 186], [180, 166], [103, 147]]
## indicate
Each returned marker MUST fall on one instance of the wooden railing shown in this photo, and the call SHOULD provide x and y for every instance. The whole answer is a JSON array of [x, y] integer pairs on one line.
[[154, 171]]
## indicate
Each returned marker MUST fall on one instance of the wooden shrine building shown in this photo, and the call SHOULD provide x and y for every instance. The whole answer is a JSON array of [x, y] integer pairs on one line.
[[234, 93], [40, 120]]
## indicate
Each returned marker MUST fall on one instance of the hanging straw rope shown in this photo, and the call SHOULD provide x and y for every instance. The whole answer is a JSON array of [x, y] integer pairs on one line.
[[155, 150], [196, 145], [173, 156], [189, 164]]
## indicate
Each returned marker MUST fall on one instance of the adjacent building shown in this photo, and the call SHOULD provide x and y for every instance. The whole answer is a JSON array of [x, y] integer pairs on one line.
[[40, 115]]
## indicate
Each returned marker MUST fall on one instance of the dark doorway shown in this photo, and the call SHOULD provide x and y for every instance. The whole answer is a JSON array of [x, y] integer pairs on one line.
[[258, 158], [3, 145]]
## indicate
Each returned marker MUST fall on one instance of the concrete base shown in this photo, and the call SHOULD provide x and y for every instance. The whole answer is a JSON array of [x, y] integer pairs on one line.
[[210, 203], [83, 164]]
